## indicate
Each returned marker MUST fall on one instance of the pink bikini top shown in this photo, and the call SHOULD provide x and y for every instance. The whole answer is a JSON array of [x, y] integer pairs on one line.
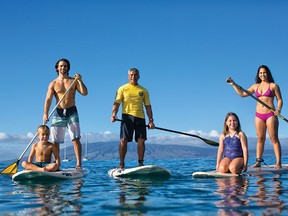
[[267, 93]]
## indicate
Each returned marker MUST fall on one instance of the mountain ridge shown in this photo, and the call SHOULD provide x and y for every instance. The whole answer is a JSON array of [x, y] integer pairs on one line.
[[109, 150]]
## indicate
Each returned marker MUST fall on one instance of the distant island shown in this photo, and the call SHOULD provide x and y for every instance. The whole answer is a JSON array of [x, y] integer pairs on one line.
[[109, 150]]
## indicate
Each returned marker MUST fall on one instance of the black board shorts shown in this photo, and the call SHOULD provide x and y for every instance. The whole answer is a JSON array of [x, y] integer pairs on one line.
[[131, 124]]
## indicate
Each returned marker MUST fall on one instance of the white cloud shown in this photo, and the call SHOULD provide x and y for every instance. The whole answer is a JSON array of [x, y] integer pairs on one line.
[[20, 138], [3, 136], [214, 133], [106, 136]]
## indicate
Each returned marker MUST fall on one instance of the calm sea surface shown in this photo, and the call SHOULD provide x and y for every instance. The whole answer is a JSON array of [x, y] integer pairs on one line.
[[181, 194]]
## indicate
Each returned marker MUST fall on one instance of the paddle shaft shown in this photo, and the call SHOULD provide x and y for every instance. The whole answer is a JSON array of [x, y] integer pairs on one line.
[[210, 142], [255, 98], [51, 113]]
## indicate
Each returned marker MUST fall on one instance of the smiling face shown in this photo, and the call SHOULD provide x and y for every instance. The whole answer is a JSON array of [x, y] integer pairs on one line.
[[263, 74], [133, 77], [62, 67], [232, 122]]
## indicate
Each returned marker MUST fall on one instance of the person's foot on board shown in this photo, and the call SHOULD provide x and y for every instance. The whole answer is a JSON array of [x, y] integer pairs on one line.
[[258, 163], [140, 163], [121, 166], [78, 167], [277, 166]]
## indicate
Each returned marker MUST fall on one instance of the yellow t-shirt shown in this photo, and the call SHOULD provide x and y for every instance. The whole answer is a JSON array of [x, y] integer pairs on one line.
[[132, 99]]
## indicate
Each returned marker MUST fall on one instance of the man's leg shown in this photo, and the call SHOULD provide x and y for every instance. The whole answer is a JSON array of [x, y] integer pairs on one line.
[[141, 151], [57, 145], [78, 152], [122, 152]]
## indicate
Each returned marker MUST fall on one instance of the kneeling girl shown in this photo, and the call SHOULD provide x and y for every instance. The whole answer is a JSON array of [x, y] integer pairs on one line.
[[233, 148]]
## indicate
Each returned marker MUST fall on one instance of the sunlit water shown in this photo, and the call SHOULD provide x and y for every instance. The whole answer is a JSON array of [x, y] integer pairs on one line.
[[181, 194]]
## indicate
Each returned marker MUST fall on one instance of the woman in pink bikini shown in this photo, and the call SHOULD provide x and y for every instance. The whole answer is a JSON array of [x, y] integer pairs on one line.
[[265, 90]]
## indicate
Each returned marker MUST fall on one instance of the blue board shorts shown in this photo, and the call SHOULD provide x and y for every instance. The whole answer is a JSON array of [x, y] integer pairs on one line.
[[62, 119]]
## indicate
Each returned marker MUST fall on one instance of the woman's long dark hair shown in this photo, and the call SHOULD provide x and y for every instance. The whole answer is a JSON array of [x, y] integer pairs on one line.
[[269, 75]]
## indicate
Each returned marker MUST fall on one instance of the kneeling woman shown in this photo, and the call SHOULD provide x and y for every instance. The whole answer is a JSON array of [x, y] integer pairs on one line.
[[233, 146]]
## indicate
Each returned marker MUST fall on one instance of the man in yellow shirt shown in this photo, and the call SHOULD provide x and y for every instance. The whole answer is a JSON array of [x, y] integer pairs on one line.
[[133, 97]]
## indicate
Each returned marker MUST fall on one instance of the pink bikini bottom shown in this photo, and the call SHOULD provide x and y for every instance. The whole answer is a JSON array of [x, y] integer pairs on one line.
[[265, 116]]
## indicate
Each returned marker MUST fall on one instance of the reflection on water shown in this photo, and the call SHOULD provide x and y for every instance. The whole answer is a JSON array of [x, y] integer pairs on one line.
[[263, 196], [232, 191], [133, 195], [267, 196], [181, 194], [51, 198]]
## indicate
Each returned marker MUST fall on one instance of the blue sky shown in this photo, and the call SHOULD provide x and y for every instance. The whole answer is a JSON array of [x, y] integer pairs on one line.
[[184, 49]]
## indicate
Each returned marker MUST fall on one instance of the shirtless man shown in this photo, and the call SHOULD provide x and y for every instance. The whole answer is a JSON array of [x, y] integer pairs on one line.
[[66, 114], [43, 151]]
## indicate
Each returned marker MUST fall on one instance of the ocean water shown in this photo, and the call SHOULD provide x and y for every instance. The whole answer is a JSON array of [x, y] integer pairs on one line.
[[181, 194]]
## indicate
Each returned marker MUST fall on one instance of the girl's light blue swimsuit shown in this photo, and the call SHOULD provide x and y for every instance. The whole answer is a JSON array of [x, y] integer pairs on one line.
[[232, 147]]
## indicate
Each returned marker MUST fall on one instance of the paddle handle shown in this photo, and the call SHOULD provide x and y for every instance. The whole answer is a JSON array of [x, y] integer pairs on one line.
[[210, 142], [62, 98], [51, 113]]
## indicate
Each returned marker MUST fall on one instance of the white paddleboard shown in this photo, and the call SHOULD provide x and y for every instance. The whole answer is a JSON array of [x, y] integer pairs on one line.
[[69, 173], [250, 172], [214, 174], [147, 171]]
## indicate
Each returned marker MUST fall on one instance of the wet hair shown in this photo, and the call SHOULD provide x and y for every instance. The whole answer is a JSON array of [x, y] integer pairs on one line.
[[134, 70], [43, 128], [225, 128], [269, 75], [64, 60]]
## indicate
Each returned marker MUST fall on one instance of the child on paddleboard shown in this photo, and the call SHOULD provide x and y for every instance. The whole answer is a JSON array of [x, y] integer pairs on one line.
[[233, 146], [43, 151]]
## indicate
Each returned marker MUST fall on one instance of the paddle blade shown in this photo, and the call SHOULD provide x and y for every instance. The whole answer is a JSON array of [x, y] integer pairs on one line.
[[11, 169], [210, 142]]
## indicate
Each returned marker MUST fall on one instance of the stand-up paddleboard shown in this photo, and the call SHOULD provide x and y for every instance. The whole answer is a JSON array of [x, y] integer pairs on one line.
[[213, 174], [70, 173], [147, 171], [250, 172]]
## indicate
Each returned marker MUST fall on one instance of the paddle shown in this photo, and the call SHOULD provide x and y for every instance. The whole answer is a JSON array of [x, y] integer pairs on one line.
[[12, 169], [229, 80], [209, 142]]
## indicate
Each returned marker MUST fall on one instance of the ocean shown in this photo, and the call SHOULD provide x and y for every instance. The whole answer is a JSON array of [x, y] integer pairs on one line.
[[181, 194]]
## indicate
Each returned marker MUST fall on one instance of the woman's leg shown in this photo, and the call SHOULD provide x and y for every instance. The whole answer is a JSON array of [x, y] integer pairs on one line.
[[260, 126], [272, 125]]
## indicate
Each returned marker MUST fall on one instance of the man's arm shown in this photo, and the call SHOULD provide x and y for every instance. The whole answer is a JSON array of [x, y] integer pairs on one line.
[[150, 116], [81, 87], [115, 109]]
